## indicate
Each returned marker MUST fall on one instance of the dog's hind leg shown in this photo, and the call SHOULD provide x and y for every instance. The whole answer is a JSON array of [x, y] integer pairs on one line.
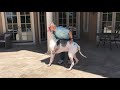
[[76, 59], [72, 61], [51, 59]]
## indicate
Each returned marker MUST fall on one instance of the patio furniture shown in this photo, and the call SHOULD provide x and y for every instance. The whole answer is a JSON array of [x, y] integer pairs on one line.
[[5, 39], [103, 38], [108, 37], [116, 38]]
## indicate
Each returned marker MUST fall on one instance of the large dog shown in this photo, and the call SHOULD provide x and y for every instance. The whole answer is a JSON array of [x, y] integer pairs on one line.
[[72, 49]]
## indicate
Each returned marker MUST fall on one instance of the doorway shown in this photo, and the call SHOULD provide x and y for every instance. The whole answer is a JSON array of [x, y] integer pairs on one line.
[[19, 24]]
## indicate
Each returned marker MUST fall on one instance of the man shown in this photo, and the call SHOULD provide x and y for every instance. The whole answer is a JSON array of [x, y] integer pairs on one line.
[[64, 35]]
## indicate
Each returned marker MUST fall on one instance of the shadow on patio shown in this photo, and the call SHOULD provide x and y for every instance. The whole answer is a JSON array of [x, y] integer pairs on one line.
[[100, 61]]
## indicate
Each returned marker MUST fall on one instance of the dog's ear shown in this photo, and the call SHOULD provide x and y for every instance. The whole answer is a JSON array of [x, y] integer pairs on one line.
[[52, 24]]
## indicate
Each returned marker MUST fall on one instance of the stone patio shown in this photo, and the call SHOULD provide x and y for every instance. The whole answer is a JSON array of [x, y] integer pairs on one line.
[[29, 61]]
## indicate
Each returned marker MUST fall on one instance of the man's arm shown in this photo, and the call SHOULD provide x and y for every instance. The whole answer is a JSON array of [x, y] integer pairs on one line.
[[71, 36]]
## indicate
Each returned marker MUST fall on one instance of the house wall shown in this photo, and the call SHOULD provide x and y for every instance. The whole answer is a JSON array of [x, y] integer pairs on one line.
[[83, 35], [36, 28], [90, 35], [1, 26], [92, 26]]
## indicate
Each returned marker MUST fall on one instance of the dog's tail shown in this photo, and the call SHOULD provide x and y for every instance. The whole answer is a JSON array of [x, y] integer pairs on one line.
[[81, 52]]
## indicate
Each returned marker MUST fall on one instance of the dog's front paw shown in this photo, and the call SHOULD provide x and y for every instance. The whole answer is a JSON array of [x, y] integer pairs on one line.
[[69, 69]]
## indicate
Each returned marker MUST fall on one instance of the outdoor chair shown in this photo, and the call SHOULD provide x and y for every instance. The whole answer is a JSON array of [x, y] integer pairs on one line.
[[5, 39]]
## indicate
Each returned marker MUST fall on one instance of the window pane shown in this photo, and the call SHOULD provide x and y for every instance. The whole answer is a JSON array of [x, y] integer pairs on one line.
[[70, 20], [109, 12], [22, 19], [64, 15], [9, 26], [15, 27], [13, 13], [74, 25], [117, 26], [14, 19], [117, 16], [74, 14], [64, 21], [60, 21], [60, 15], [27, 19], [104, 17], [8, 13], [109, 17], [103, 25], [70, 14], [23, 27], [74, 21], [28, 27], [9, 19]]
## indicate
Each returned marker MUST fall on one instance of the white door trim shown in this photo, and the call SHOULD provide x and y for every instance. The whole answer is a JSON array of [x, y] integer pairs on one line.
[[33, 25], [98, 24], [78, 24], [85, 21], [39, 30]]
